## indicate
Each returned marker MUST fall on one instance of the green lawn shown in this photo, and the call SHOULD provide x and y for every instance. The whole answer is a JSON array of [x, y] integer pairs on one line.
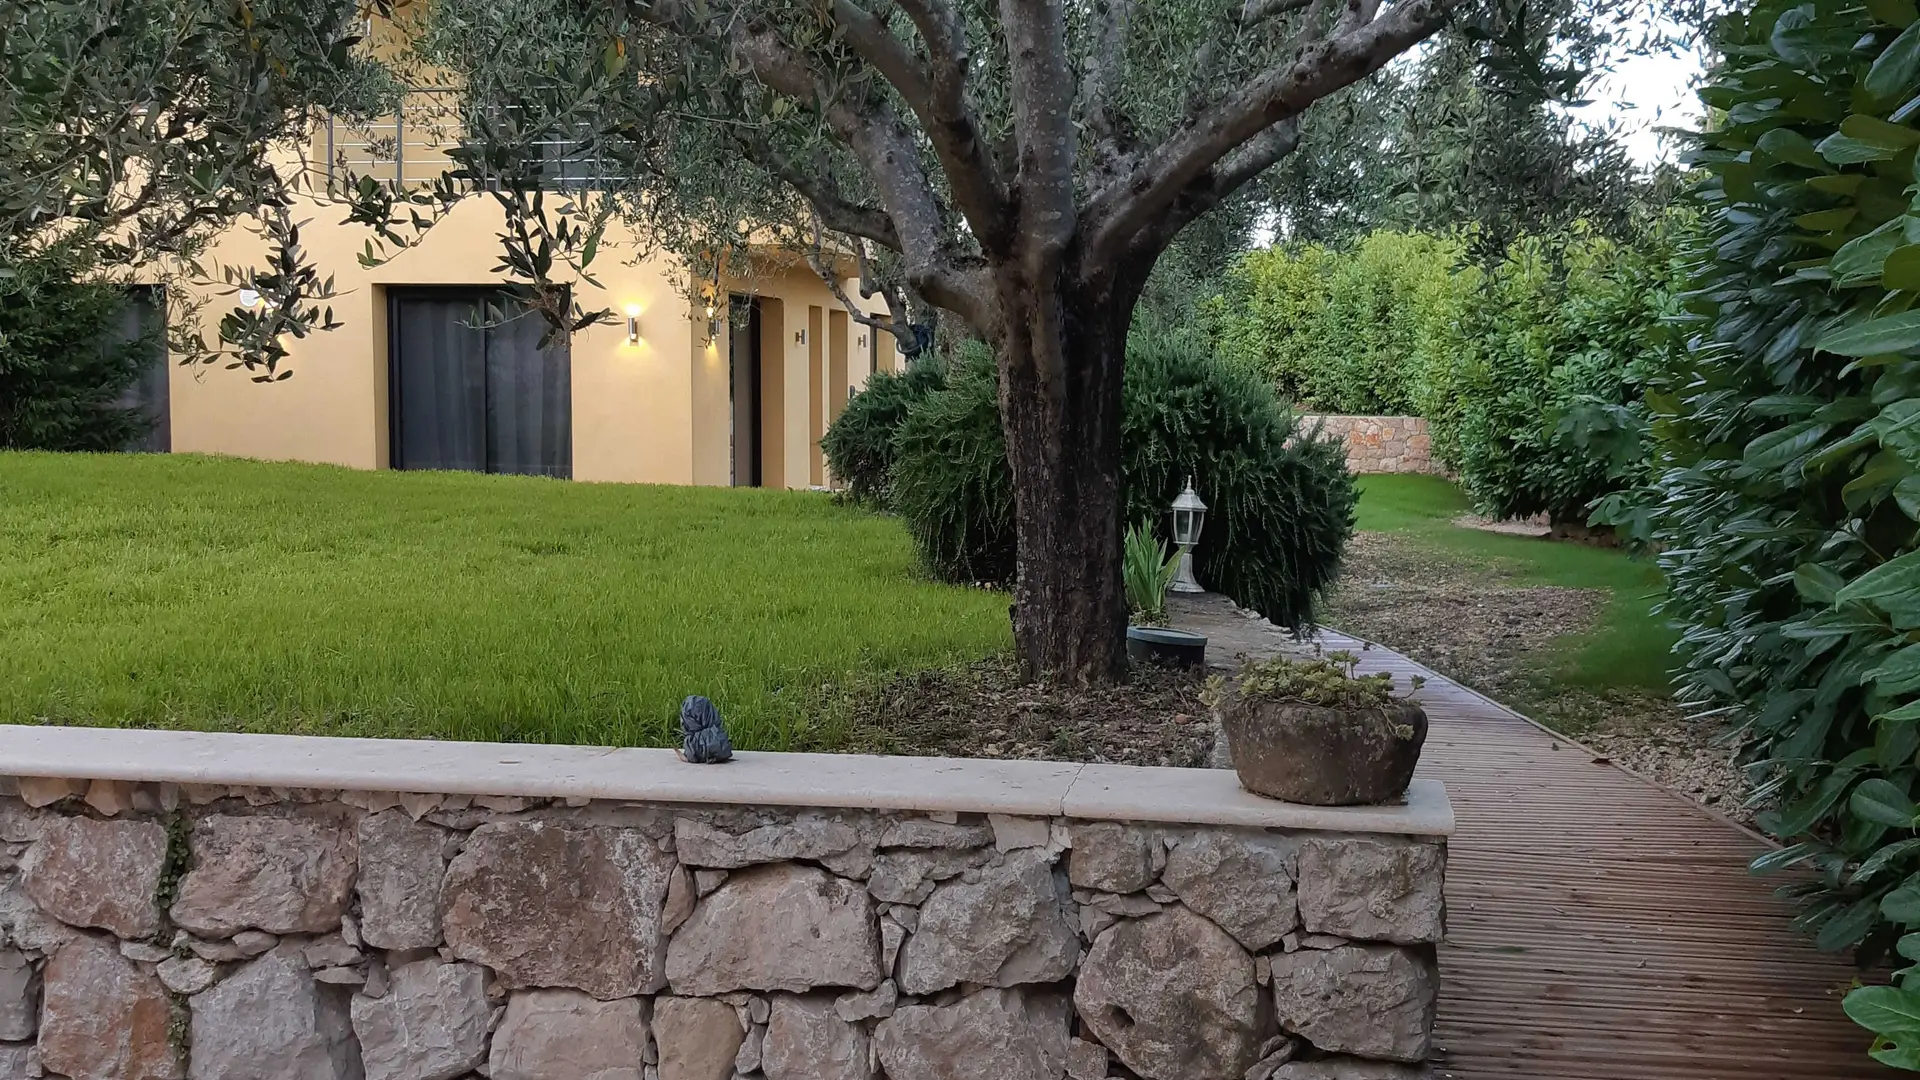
[[183, 591], [1629, 647]]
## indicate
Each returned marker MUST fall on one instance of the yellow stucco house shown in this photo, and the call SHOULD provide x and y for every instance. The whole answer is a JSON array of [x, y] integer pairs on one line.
[[412, 380]]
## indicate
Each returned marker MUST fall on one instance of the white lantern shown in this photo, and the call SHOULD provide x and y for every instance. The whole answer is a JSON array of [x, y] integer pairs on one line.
[[1189, 516]]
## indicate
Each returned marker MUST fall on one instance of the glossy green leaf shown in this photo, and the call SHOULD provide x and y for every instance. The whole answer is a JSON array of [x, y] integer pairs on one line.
[[1884, 1009], [1895, 13], [1887, 334], [1891, 76], [1892, 580], [1860, 260], [1878, 800], [1789, 145], [1902, 268], [1817, 583], [1902, 905], [1788, 444]]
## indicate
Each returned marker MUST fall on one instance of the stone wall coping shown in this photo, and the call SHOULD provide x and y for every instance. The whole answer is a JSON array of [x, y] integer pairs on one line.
[[854, 781]]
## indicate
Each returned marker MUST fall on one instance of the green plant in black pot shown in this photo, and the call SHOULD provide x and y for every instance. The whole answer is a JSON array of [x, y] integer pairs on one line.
[[1315, 731], [1146, 568]]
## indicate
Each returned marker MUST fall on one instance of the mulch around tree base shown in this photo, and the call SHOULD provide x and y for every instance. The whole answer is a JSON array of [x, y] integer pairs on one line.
[[987, 710]]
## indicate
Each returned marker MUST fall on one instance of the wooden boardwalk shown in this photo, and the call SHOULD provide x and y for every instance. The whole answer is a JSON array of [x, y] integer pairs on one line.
[[1599, 927]]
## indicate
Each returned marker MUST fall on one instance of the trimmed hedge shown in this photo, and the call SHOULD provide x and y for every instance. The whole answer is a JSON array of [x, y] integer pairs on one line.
[[1519, 366], [1787, 503], [1281, 501], [859, 446]]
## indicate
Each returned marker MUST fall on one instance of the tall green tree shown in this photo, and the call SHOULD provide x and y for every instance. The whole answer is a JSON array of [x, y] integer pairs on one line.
[[131, 131]]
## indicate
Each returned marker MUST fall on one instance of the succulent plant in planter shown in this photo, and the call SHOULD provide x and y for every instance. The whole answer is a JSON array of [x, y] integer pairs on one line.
[[1313, 731]]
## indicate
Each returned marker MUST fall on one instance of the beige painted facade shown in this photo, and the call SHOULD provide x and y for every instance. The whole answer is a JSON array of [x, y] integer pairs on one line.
[[657, 410]]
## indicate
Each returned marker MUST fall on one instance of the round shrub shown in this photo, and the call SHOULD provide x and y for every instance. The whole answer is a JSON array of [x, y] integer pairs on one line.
[[950, 477], [859, 445], [1280, 501]]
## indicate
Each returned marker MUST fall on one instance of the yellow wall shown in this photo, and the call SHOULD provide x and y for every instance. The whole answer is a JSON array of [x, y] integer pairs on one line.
[[657, 411]]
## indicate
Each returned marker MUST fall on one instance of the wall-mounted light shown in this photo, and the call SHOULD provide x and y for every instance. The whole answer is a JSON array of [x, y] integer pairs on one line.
[[633, 324], [249, 298], [799, 337], [863, 341], [713, 322]]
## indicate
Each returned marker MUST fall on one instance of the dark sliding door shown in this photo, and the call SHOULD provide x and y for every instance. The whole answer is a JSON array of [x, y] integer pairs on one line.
[[744, 352], [472, 388]]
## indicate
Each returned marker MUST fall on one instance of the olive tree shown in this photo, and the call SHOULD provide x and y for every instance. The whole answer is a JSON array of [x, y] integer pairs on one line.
[[1019, 164], [132, 131]]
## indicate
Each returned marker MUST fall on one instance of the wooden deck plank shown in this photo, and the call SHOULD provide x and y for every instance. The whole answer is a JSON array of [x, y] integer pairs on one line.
[[1599, 927]]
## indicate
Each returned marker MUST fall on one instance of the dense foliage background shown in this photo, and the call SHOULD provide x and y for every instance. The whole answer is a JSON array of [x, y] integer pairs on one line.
[[1787, 443], [1528, 367], [1281, 500], [64, 362]]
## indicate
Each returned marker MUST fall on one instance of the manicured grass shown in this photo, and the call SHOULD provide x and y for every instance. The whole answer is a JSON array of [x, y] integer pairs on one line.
[[183, 591], [1629, 647]]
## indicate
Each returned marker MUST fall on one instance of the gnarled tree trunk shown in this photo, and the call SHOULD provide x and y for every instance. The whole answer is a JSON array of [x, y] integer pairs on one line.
[[1061, 354]]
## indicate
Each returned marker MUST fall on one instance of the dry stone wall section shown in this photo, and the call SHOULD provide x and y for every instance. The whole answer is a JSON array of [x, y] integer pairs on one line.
[[178, 932], [1381, 444]]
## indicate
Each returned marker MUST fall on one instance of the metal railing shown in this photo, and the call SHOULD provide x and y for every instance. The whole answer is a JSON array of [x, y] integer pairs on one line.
[[410, 147]]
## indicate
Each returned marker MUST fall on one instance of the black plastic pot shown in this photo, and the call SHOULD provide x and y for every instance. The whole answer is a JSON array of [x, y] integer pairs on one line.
[[1157, 644]]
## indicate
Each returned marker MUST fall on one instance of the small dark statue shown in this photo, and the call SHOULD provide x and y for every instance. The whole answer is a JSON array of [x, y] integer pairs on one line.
[[702, 740]]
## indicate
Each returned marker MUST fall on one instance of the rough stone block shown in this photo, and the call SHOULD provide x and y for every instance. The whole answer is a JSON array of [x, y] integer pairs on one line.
[[807, 1040], [1111, 857], [1173, 996], [281, 875], [1373, 890], [103, 1018], [995, 1033], [698, 1038], [403, 865], [812, 836], [19, 996], [567, 1035], [270, 1018], [550, 906], [1349, 1069], [431, 1024], [1374, 1001], [1005, 927], [777, 927], [1241, 880], [920, 832], [908, 876], [104, 874]]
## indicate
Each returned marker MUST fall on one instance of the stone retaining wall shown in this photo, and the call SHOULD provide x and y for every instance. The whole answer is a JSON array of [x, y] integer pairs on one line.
[[1382, 444], [158, 930]]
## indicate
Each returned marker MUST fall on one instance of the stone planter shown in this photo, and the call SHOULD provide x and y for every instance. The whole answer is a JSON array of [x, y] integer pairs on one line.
[[1161, 645], [1324, 756]]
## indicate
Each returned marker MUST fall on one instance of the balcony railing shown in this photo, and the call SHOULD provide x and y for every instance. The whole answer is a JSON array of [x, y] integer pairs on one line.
[[411, 147]]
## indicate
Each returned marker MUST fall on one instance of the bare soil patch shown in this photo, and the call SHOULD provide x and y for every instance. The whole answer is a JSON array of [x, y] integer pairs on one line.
[[987, 710], [1462, 621]]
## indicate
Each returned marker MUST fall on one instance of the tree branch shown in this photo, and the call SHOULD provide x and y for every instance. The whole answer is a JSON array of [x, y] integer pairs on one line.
[[938, 99], [1131, 204], [887, 152], [1043, 92], [828, 204], [1103, 69]]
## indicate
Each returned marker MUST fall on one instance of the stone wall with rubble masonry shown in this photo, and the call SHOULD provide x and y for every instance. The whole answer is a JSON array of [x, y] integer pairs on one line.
[[1381, 444], [161, 931]]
